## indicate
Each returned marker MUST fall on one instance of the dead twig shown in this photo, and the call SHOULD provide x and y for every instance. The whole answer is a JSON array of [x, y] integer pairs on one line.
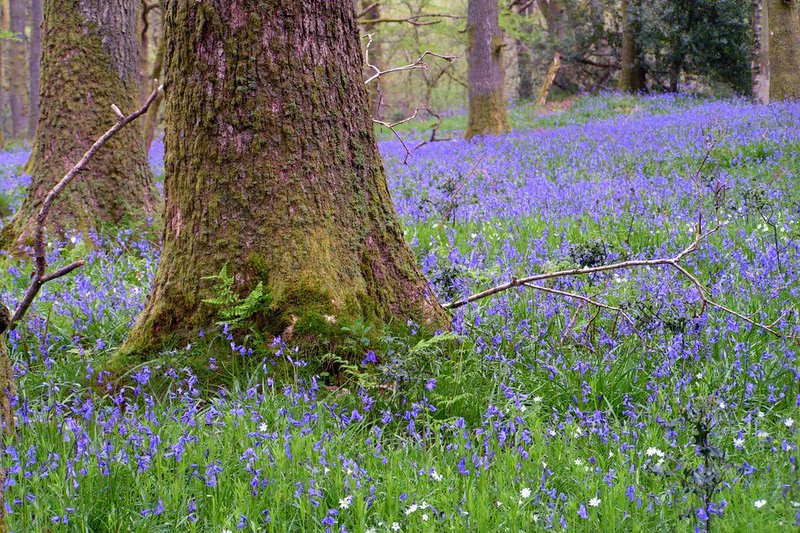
[[418, 64]]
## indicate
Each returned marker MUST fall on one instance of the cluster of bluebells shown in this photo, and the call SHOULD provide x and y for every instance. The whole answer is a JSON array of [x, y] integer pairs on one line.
[[581, 417]]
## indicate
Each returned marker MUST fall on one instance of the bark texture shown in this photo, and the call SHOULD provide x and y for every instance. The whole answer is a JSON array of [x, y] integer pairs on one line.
[[631, 77], [16, 69], [760, 65], [487, 112], [34, 54], [273, 171], [89, 62], [784, 49], [8, 393]]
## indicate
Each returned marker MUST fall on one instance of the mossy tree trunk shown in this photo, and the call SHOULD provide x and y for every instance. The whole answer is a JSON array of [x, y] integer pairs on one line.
[[90, 60], [784, 49], [272, 170], [34, 53], [487, 113], [15, 69], [632, 76]]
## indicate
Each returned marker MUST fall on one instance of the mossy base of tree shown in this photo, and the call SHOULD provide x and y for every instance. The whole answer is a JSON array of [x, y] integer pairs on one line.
[[487, 115]]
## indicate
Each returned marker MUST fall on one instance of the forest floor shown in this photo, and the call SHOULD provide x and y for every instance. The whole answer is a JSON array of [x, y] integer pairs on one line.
[[540, 412]]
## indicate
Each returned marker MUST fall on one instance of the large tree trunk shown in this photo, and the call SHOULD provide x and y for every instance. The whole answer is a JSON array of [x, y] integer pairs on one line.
[[272, 170], [784, 49], [15, 68], [34, 54], [89, 62], [151, 122], [487, 105], [3, 28]]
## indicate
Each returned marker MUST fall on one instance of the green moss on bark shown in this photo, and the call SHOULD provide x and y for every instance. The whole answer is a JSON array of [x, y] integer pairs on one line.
[[272, 169], [81, 79]]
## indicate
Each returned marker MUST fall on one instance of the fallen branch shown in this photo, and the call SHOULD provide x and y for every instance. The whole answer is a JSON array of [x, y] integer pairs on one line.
[[671, 262]]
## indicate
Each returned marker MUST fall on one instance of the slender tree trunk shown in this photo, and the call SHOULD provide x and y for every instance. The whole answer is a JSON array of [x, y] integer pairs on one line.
[[272, 170], [89, 62], [632, 74], [15, 68], [487, 105], [784, 49], [151, 122], [34, 54], [760, 65]]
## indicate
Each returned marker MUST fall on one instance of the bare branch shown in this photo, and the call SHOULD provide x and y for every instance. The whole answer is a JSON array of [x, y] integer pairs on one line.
[[40, 276], [366, 10], [418, 64], [414, 20], [671, 262]]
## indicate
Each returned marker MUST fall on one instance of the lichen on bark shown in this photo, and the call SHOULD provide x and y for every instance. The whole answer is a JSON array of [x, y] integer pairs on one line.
[[89, 62], [272, 169]]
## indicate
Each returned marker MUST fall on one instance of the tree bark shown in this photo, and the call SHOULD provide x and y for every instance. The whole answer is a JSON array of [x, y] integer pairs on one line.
[[272, 170], [3, 27], [89, 62], [760, 64], [15, 68], [34, 54], [784, 49], [632, 76], [151, 122], [487, 112], [8, 393]]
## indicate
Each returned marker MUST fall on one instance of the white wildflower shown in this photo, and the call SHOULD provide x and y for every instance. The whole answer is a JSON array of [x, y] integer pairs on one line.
[[762, 434], [758, 504], [594, 502], [651, 451], [525, 493], [345, 502], [424, 518], [789, 422], [262, 427], [738, 442], [412, 509], [395, 526]]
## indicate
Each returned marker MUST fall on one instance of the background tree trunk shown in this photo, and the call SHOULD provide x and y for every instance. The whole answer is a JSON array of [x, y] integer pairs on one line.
[[784, 49], [89, 62], [487, 105], [3, 27], [273, 171], [15, 68], [34, 54], [631, 77], [760, 60]]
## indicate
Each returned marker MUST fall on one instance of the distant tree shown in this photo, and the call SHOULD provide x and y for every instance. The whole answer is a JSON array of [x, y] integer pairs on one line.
[[15, 68], [784, 49], [34, 54], [525, 64], [487, 111], [89, 62], [273, 172], [632, 76], [760, 58]]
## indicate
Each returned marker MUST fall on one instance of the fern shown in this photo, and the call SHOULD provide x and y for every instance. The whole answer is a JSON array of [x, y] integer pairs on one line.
[[231, 307]]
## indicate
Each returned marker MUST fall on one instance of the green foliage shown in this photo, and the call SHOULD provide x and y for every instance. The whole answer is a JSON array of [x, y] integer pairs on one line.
[[233, 309]]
